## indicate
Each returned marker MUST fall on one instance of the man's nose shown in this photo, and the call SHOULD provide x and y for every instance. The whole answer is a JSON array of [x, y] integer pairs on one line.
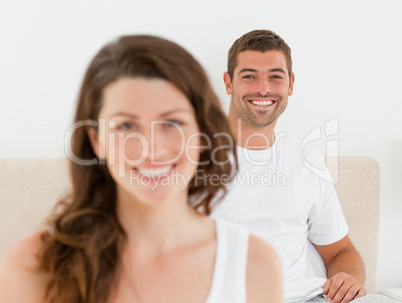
[[263, 86]]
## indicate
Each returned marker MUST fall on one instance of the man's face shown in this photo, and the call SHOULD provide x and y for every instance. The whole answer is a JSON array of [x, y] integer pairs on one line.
[[260, 87]]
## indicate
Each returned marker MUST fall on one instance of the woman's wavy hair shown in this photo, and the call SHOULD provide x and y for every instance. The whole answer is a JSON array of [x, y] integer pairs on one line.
[[81, 250]]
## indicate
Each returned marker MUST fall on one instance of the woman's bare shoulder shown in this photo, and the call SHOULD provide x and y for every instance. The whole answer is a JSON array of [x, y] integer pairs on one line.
[[264, 272], [25, 252], [19, 270]]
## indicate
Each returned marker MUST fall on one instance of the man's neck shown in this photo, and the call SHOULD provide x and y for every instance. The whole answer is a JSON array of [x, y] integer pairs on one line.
[[251, 137]]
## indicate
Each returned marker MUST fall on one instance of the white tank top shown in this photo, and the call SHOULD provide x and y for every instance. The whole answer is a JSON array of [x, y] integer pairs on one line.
[[229, 277]]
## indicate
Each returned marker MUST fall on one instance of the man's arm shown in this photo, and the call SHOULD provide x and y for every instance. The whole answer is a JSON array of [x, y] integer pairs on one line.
[[345, 271]]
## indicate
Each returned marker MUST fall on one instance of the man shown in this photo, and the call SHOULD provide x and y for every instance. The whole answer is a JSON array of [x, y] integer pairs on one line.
[[275, 195]]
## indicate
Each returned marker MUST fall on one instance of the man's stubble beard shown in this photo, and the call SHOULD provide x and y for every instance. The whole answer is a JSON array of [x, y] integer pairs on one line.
[[257, 118]]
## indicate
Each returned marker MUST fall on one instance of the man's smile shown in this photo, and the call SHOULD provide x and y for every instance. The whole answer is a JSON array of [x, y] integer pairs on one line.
[[262, 102]]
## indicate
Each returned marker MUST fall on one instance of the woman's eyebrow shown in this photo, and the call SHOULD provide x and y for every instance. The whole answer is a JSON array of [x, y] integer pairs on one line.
[[161, 115], [173, 111], [123, 114]]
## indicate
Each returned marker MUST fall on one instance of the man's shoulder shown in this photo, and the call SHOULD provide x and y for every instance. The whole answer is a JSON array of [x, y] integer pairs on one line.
[[297, 156], [294, 147], [287, 143]]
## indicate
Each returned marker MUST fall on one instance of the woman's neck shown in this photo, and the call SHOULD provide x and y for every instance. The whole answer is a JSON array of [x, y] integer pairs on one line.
[[154, 229]]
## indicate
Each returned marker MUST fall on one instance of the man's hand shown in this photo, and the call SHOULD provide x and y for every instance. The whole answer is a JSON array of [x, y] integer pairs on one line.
[[343, 288], [345, 270]]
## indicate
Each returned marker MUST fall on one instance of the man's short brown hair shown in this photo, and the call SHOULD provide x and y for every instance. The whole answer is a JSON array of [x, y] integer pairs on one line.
[[258, 40]]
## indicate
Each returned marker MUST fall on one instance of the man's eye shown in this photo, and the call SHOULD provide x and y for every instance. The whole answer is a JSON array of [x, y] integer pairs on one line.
[[277, 77], [126, 126], [248, 77]]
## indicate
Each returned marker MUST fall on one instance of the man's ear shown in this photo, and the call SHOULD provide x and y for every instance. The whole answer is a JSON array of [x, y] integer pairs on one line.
[[97, 147], [292, 81], [228, 83]]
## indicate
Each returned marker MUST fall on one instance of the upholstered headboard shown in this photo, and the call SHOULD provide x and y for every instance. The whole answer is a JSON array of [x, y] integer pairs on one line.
[[358, 190], [29, 188]]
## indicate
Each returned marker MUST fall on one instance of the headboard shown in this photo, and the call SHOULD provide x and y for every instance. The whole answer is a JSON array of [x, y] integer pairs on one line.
[[29, 188]]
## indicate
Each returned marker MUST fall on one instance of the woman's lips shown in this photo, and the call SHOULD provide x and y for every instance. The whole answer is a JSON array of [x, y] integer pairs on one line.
[[154, 171]]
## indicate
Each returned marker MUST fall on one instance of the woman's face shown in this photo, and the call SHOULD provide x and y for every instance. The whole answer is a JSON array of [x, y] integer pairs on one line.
[[149, 136]]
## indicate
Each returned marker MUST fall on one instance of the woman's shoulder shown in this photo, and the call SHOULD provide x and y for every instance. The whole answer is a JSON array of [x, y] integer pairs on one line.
[[19, 270], [261, 251], [25, 252], [264, 272]]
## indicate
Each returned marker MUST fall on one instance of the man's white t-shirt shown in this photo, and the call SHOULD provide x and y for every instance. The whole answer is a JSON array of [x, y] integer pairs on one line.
[[285, 197]]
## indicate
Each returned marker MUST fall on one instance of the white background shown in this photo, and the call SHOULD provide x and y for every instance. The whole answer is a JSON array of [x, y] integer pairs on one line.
[[346, 57]]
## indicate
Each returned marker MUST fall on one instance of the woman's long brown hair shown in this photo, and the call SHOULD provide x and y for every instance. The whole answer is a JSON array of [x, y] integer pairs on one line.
[[80, 252]]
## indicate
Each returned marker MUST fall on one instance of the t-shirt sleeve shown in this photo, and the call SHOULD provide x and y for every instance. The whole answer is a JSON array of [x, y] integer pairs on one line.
[[326, 222]]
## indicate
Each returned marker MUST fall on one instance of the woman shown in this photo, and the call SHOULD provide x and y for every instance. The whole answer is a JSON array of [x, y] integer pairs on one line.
[[129, 233]]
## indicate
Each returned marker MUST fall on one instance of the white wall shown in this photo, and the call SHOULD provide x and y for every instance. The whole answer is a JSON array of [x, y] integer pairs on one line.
[[346, 57]]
